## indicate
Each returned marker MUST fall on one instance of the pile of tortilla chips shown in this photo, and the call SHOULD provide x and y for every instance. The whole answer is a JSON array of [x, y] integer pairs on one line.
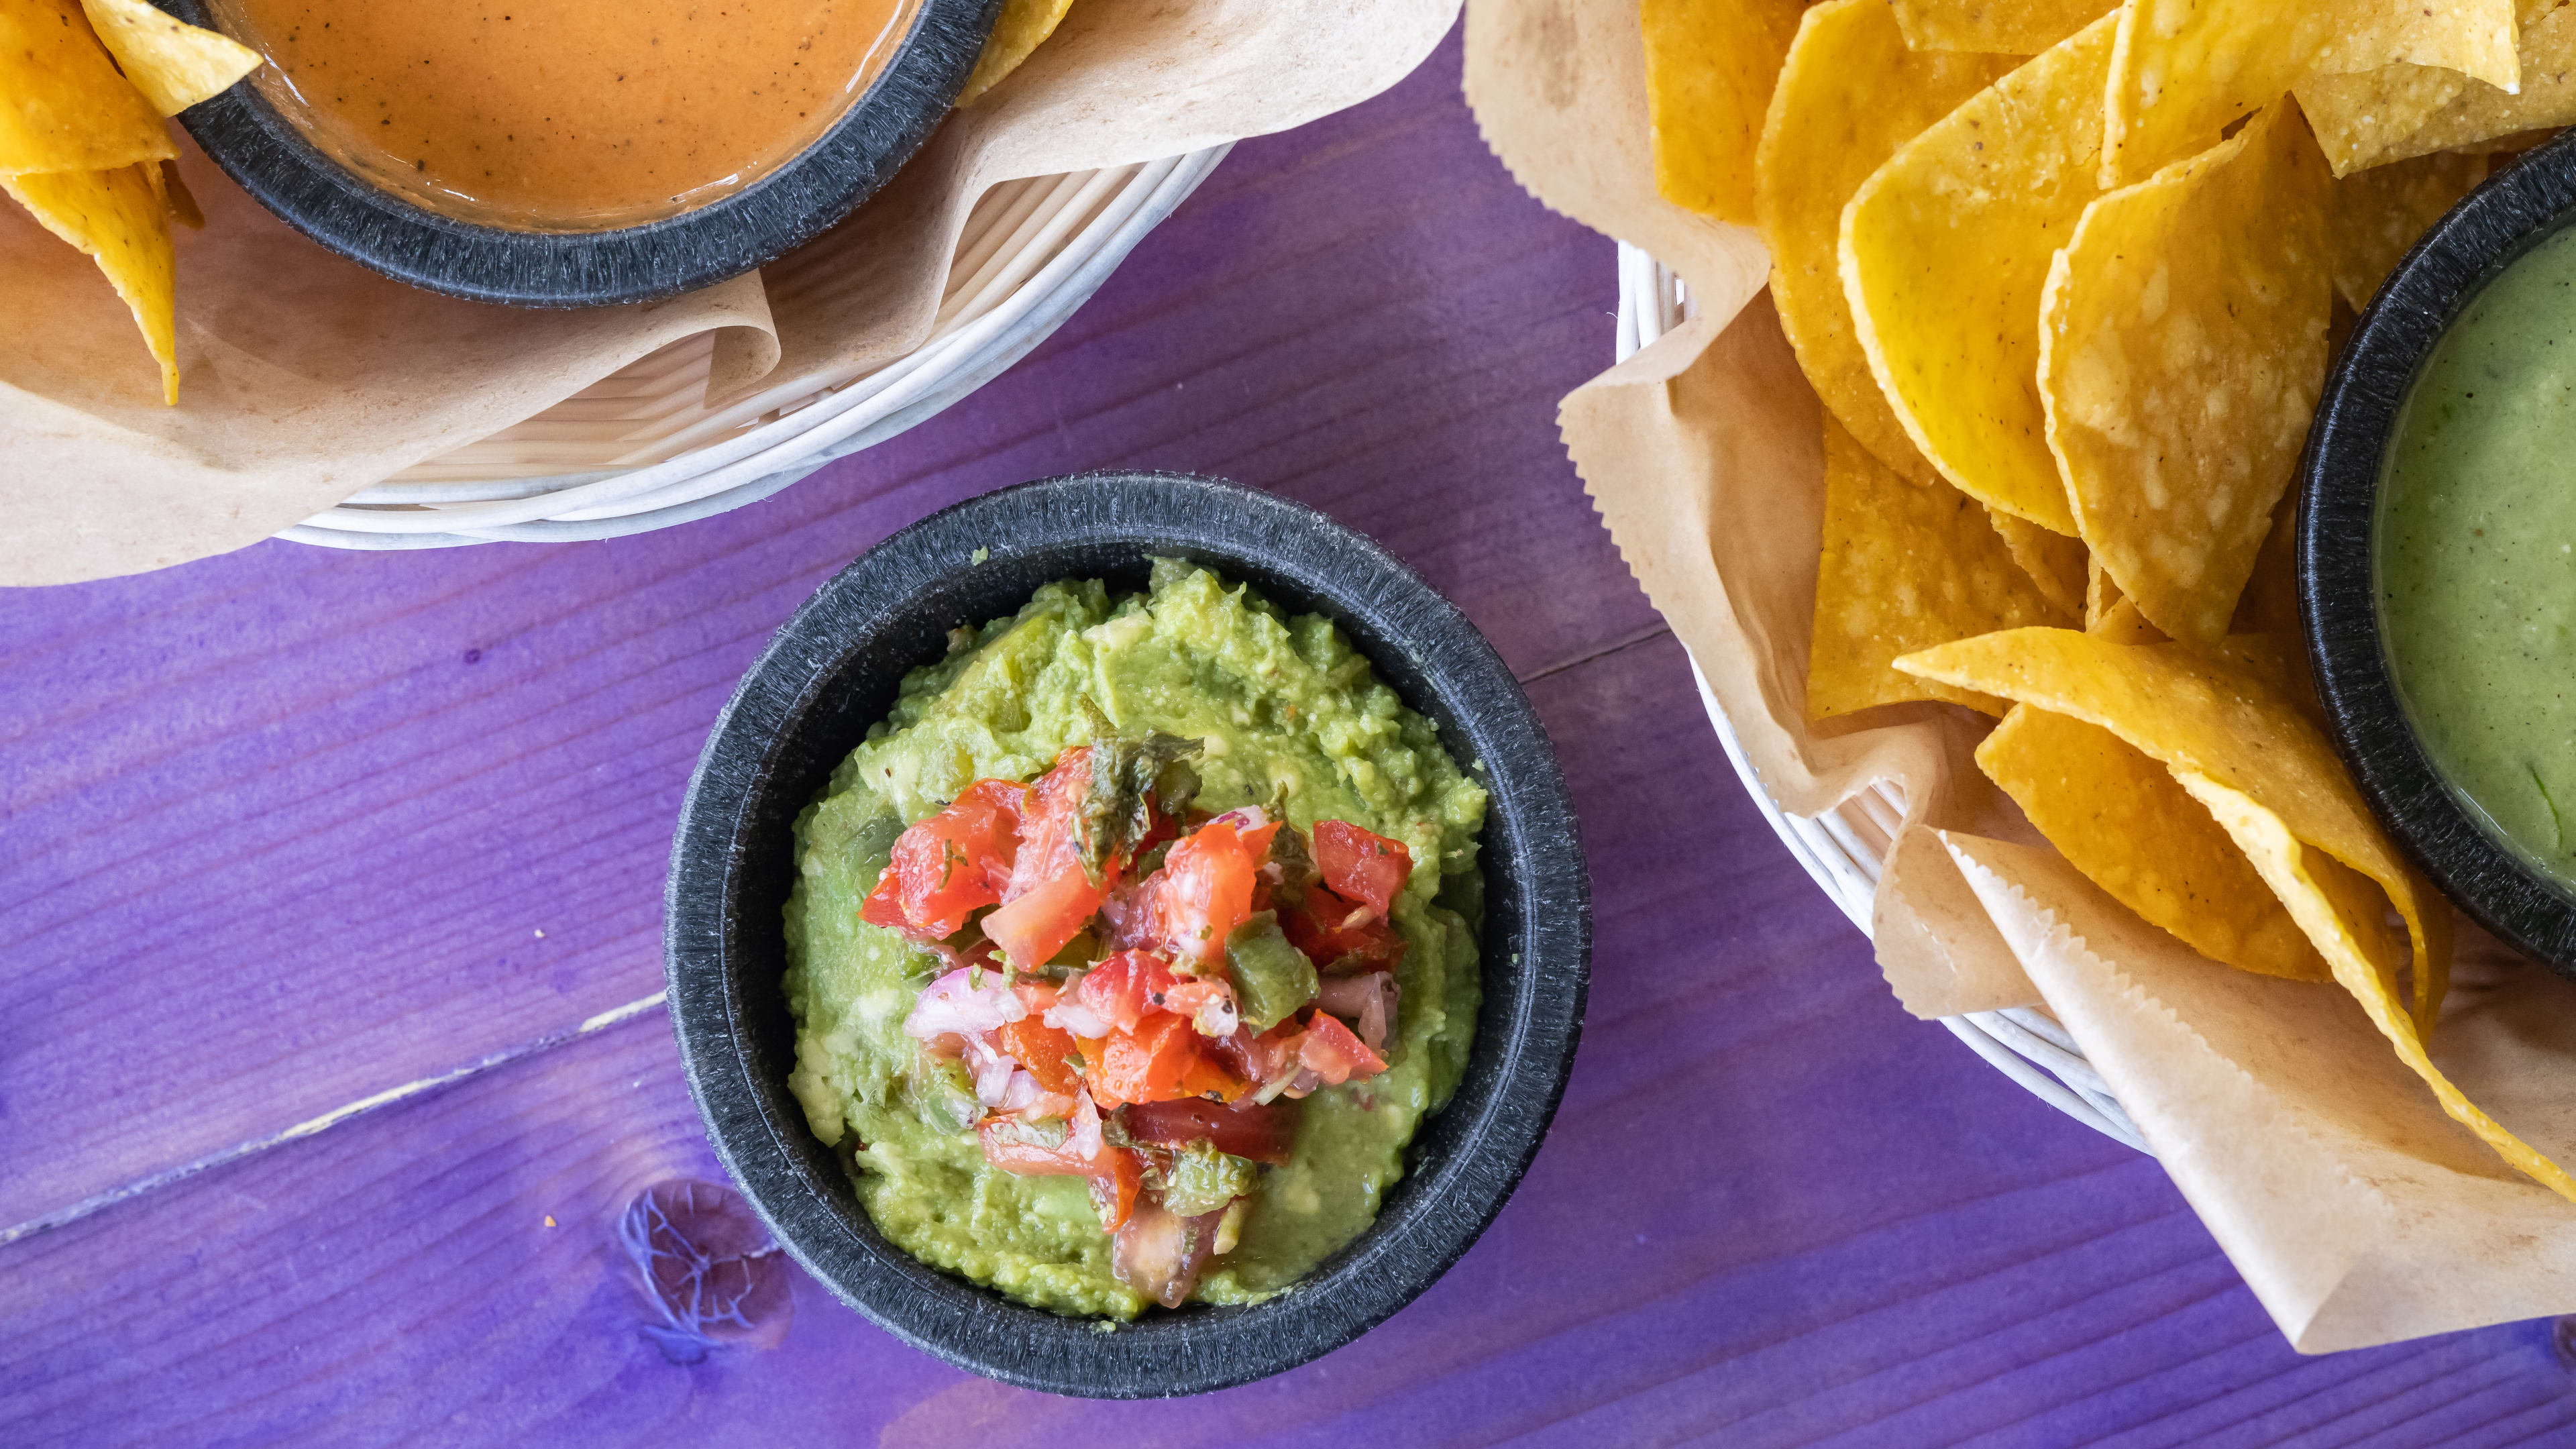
[[2066, 276], [83, 146]]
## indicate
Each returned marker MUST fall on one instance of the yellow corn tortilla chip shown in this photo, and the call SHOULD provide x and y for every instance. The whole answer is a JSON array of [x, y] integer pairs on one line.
[[2011, 27], [116, 218], [173, 63], [2357, 118], [2100, 592], [2374, 216], [1944, 251], [2483, 117], [2341, 911], [2056, 565], [1710, 65], [2183, 72], [2212, 717], [63, 107], [1905, 565], [2121, 623], [2182, 348], [176, 198], [2123, 820], [1850, 94], [1023, 27], [2270, 603]]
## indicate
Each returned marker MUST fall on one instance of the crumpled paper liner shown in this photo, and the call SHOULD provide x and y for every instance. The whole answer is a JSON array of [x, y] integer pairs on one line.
[[306, 378], [2357, 1211]]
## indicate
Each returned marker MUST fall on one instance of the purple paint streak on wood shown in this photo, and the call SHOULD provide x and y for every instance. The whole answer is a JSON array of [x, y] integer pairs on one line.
[[278, 830]]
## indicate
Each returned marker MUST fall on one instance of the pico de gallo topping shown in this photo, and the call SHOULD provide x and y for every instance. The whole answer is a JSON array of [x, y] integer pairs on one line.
[[1139, 990]]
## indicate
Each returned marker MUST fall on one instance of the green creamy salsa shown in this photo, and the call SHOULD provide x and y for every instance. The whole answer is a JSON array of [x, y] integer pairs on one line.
[[2476, 556], [1282, 704]]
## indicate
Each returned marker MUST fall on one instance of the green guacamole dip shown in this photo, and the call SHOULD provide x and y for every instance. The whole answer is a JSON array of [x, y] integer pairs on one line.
[[1281, 703], [2476, 556]]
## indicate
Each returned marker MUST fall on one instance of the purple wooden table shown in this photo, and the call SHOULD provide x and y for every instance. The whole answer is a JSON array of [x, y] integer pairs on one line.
[[292, 833]]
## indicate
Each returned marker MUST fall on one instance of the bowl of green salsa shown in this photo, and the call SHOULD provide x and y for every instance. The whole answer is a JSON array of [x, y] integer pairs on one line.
[[2437, 554], [1127, 935]]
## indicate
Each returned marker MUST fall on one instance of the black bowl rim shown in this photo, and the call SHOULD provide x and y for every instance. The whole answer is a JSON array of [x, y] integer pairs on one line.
[[267, 156], [1499, 1115], [2514, 210]]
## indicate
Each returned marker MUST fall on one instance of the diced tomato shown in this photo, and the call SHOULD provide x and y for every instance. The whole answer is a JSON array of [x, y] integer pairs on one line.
[[1031, 927], [1256, 842], [1342, 937], [1262, 1058], [1206, 892], [1039, 1048], [1153, 1063], [1207, 1077], [1050, 838], [1113, 1191], [1362, 866], [1263, 1133], [1122, 989], [1207, 1001], [1095, 1057], [955, 862], [1331, 1052]]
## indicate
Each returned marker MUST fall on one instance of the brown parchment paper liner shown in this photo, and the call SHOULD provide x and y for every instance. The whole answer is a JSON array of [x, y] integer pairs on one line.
[[2356, 1210], [306, 378]]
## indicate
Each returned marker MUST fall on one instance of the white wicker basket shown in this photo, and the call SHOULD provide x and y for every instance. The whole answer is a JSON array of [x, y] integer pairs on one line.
[[1844, 848], [639, 450]]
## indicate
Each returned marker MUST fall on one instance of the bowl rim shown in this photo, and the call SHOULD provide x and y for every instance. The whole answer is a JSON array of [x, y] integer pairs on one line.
[[2529, 200], [912, 92], [1464, 1162]]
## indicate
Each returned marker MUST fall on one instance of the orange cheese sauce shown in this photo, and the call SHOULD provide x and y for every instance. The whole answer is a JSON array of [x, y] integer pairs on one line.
[[565, 115]]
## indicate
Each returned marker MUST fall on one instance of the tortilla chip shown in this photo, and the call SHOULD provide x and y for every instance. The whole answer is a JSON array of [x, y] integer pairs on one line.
[[63, 107], [2123, 820], [2483, 117], [1905, 566], [1850, 94], [1709, 72], [176, 198], [2121, 623], [1023, 27], [2182, 349], [1944, 252], [2213, 717], [2374, 217], [117, 218], [2341, 911], [2183, 73], [2011, 27], [2056, 565], [173, 63], [2357, 118], [2270, 603]]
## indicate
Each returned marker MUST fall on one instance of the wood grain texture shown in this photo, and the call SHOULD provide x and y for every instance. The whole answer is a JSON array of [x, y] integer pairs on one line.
[[277, 831]]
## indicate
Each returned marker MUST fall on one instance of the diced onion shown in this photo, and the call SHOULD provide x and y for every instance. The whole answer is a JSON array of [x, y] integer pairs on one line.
[[1245, 820], [1367, 1000], [1085, 1136], [1071, 1015], [954, 1005]]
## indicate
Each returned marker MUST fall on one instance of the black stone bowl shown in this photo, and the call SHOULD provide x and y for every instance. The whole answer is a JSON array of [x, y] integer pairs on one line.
[[264, 152], [2495, 225], [832, 671]]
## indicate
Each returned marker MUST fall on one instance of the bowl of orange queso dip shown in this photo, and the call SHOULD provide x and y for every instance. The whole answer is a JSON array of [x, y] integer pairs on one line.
[[578, 152], [2437, 554]]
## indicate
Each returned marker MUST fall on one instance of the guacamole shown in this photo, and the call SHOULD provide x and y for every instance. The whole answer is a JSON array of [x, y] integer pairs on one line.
[[1287, 717], [2476, 557]]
